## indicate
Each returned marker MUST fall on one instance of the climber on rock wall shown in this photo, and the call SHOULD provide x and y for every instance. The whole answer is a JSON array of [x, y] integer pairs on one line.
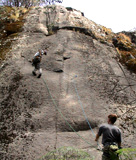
[[36, 62]]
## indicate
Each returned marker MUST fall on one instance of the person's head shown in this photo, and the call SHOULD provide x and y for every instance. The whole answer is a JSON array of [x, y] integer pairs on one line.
[[112, 118], [45, 52], [42, 52]]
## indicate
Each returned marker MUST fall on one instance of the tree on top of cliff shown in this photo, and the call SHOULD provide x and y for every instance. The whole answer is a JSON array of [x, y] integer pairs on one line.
[[29, 3]]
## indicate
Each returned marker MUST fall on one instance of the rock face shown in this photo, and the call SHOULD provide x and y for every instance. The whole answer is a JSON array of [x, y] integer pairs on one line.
[[82, 77]]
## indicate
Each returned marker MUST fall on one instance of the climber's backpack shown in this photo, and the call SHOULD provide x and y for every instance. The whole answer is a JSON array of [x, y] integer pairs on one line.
[[36, 59]]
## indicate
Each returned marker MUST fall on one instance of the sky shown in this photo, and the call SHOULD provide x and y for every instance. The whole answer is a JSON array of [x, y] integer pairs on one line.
[[119, 15]]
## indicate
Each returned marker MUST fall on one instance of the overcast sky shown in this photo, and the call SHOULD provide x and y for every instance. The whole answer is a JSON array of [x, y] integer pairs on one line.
[[119, 15]]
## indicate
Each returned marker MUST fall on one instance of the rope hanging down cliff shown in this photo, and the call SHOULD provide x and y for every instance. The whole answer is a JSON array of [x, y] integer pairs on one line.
[[62, 114], [79, 99]]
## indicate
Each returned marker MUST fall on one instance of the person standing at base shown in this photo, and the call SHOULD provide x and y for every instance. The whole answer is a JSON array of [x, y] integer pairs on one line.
[[111, 138], [36, 62]]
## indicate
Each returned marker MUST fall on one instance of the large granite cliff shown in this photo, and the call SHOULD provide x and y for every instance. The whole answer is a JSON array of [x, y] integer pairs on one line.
[[85, 63]]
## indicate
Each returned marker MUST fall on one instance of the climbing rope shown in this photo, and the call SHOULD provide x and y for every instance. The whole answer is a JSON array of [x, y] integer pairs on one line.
[[53, 100], [79, 99]]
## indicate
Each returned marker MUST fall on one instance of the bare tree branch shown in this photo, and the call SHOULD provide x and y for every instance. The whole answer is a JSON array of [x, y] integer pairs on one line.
[[29, 3]]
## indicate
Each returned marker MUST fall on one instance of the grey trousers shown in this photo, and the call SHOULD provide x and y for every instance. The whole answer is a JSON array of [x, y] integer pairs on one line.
[[39, 70]]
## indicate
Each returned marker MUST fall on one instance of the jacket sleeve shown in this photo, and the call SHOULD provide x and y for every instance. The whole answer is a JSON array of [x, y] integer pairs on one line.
[[100, 131]]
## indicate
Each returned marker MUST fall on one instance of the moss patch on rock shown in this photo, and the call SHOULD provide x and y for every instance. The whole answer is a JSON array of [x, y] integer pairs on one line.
[[11, 24]]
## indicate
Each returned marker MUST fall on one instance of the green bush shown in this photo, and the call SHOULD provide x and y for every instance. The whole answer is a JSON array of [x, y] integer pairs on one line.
[[127, 154]]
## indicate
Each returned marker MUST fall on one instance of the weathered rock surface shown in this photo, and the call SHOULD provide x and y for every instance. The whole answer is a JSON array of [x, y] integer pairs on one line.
[[37, 115]]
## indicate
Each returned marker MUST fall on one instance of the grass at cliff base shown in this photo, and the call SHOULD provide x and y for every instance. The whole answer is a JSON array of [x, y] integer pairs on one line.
[[67, 153]]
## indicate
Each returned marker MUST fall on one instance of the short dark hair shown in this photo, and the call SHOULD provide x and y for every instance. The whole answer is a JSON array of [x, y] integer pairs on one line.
[[112, 118]]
